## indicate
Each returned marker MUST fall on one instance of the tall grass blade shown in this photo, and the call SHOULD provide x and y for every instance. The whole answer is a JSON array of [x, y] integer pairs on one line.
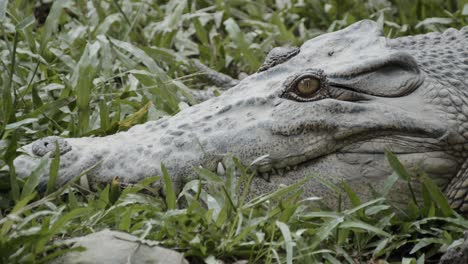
[[169, 189], [437, 196], [3, 9], [52, 22], [10, 155], [288, 242], [53, 170], [6, 223], [280, 192], [25, 23], [396, 165], [82, 81], [325, 231], [34, 178], [364, 226]]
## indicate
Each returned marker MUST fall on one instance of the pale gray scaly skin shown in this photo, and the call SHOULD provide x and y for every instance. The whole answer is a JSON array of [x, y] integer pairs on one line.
[[409, 95]]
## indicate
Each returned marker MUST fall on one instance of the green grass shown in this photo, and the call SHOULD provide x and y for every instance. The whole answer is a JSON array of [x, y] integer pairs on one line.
[[99, 67]]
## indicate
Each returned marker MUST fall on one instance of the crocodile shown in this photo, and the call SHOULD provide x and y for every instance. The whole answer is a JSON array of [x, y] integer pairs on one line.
[[330, 107]]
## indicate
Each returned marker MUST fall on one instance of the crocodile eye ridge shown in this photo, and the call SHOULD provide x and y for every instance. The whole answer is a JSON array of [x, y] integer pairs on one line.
[[277, 56], [310, 85]]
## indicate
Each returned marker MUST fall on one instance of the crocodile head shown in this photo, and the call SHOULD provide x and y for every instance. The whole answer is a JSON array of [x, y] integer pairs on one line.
[[330, 107]]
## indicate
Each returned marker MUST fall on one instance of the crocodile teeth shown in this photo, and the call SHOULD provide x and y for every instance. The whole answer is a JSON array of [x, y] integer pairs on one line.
[[84, 183], [273, 170], [265, 176], [220, 169], [280, 172]]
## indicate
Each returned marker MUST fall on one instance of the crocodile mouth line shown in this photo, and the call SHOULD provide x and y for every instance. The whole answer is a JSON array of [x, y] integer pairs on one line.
[[272, 168]]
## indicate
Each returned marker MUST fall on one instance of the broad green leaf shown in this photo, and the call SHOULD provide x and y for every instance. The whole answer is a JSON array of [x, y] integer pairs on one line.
[[104, 197], [331, 186], [52, 22], [424, 242], [5, 222], [104, 115], [280, 192], [9, 157], [200, 31], [288, 242], [245, 232], [325, 231], [169, 189], [28, 21], [72, 201], [20, 123], [140, 55], [82, 82], [50, 108], [135, 118], [53, 170], [396, 165], [464, 11], [434, 20], [372, 210], [126, 220], [421, 259], [331, 259], [352, 195], [364, 226], [3, 9], [239, 38], [59, 252], [105, 25], [208, 175], [364, 205], [380, 249], [408, 261], [389, 182], [437, 196], [173, 17], [62, 221], [321, 214], [143, 184], [35, 176]]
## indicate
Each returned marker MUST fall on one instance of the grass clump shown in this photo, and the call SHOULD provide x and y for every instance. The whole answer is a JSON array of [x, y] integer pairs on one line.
[[216, 222], [93, 68]]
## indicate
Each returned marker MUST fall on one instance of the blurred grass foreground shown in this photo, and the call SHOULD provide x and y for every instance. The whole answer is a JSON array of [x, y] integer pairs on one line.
[[96, 67]]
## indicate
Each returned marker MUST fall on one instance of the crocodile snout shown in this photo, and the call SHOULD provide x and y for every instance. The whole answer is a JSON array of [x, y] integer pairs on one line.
[[49, 144]]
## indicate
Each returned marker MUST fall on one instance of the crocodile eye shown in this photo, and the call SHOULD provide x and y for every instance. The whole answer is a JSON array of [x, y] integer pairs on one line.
[[308, 86]]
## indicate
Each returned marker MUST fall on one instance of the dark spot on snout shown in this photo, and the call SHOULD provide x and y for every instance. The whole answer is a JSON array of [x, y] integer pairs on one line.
[[45, 145]]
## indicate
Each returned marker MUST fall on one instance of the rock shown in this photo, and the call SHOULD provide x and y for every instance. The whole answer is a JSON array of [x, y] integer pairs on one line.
[[112, 247], [456, 255]]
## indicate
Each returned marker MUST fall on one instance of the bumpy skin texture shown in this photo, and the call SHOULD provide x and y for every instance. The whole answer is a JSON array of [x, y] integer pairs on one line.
[[408, 95], [456, 255]]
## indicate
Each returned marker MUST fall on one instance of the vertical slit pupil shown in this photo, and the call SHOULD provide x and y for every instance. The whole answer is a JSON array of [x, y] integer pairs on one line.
[[308, 86]]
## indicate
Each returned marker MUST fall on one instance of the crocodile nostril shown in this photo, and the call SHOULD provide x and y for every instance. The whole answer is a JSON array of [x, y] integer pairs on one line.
[[43, 146]]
